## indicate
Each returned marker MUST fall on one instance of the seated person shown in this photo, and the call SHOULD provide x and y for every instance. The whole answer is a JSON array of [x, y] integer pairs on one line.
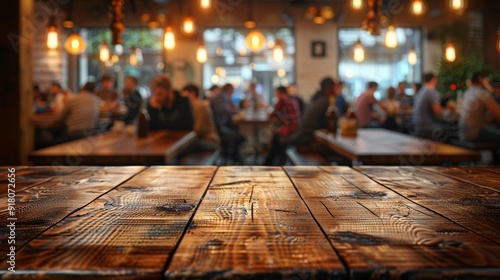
[[133, 100], [314, 117], [41, 101], [81, 114], [107, 94], [366, 115], [292, 91], [204, 125], [252, 99], [392, 106], [60, 97], [167, 108], [427, 109], [327, 85], [284, 121], [224, 109], [478, 103]]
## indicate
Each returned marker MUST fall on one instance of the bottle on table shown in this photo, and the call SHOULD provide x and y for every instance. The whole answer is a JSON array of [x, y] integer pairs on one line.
[[143, 122], [349, 124], [332, 116]]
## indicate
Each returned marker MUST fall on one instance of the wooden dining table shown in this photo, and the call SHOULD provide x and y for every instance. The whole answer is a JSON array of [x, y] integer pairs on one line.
[[116, 148], [248, 222], [256, 118], [376, 146]]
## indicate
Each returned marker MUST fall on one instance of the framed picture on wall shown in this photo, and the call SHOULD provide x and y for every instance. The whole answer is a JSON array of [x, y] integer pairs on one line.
[[318, 49]]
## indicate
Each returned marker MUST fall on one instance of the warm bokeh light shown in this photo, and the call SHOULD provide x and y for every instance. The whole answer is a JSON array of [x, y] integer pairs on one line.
[[412, 56], [169, 39], [205, 4], [188, 25], [450, 52], [359, 52], [457, 5], [104, 52], [250, 24], [201, 54], [418, 7], [278, 51], [52, 38], [75, 44], [357, 4], [281, 73], [319, 19], [498, 40], [391, 38], [255, 41]]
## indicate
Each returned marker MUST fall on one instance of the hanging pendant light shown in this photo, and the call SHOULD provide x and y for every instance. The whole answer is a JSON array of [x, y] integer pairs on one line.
[[457, 5], [169, 40], [205, 4], [278, 51], [450, 52], [391, 38], [201, 54], [418, 7], [188, 25], [255, 41], [412, 56], [359, 52], [250, 23], [75, 44], [357, 4], [52, 35], [318, 18], [104, 52]]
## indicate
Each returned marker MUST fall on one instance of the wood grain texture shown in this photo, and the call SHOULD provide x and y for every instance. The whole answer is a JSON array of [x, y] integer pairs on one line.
[[384, 147], [469, 205], [115, 148], [42, 206], [480, 176], [380, 234], [127, 233], [29, 176], [253, 225]]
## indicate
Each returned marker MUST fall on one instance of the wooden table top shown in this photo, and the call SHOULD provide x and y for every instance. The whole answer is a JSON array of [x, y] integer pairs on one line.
[[380, 146], [249, 222], [117, 148]]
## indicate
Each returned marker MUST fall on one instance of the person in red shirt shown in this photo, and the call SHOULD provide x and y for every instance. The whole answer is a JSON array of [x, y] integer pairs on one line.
[[284, 121]]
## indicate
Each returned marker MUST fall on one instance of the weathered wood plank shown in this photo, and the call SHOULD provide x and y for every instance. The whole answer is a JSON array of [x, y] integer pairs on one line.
[[29, 176], [480, 176], [253, 225], [40, 207], [469, 205], [380, 234], [127, 233]]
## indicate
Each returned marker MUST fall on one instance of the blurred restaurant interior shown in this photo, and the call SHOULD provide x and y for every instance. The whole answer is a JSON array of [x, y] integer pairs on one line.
[[53, 48], [250, 139]]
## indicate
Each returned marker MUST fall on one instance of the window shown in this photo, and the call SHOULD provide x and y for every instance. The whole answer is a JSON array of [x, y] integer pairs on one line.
[[385, 66], [230, 61]]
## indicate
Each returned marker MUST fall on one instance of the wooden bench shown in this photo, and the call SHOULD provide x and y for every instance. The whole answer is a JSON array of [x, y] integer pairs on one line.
[[302, 158]]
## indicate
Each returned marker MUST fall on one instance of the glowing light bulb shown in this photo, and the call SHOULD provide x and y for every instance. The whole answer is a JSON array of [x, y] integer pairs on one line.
[[357, 4], [255, 41], [201, 54], [281, 73], [418, 7], [391, 38], [359, 52], [75, 44], [188, 25], [169, 40], [278, 51], [104, 52], [205, 4], [52, 38], [450, 52], [412, 56], [457, 5]]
